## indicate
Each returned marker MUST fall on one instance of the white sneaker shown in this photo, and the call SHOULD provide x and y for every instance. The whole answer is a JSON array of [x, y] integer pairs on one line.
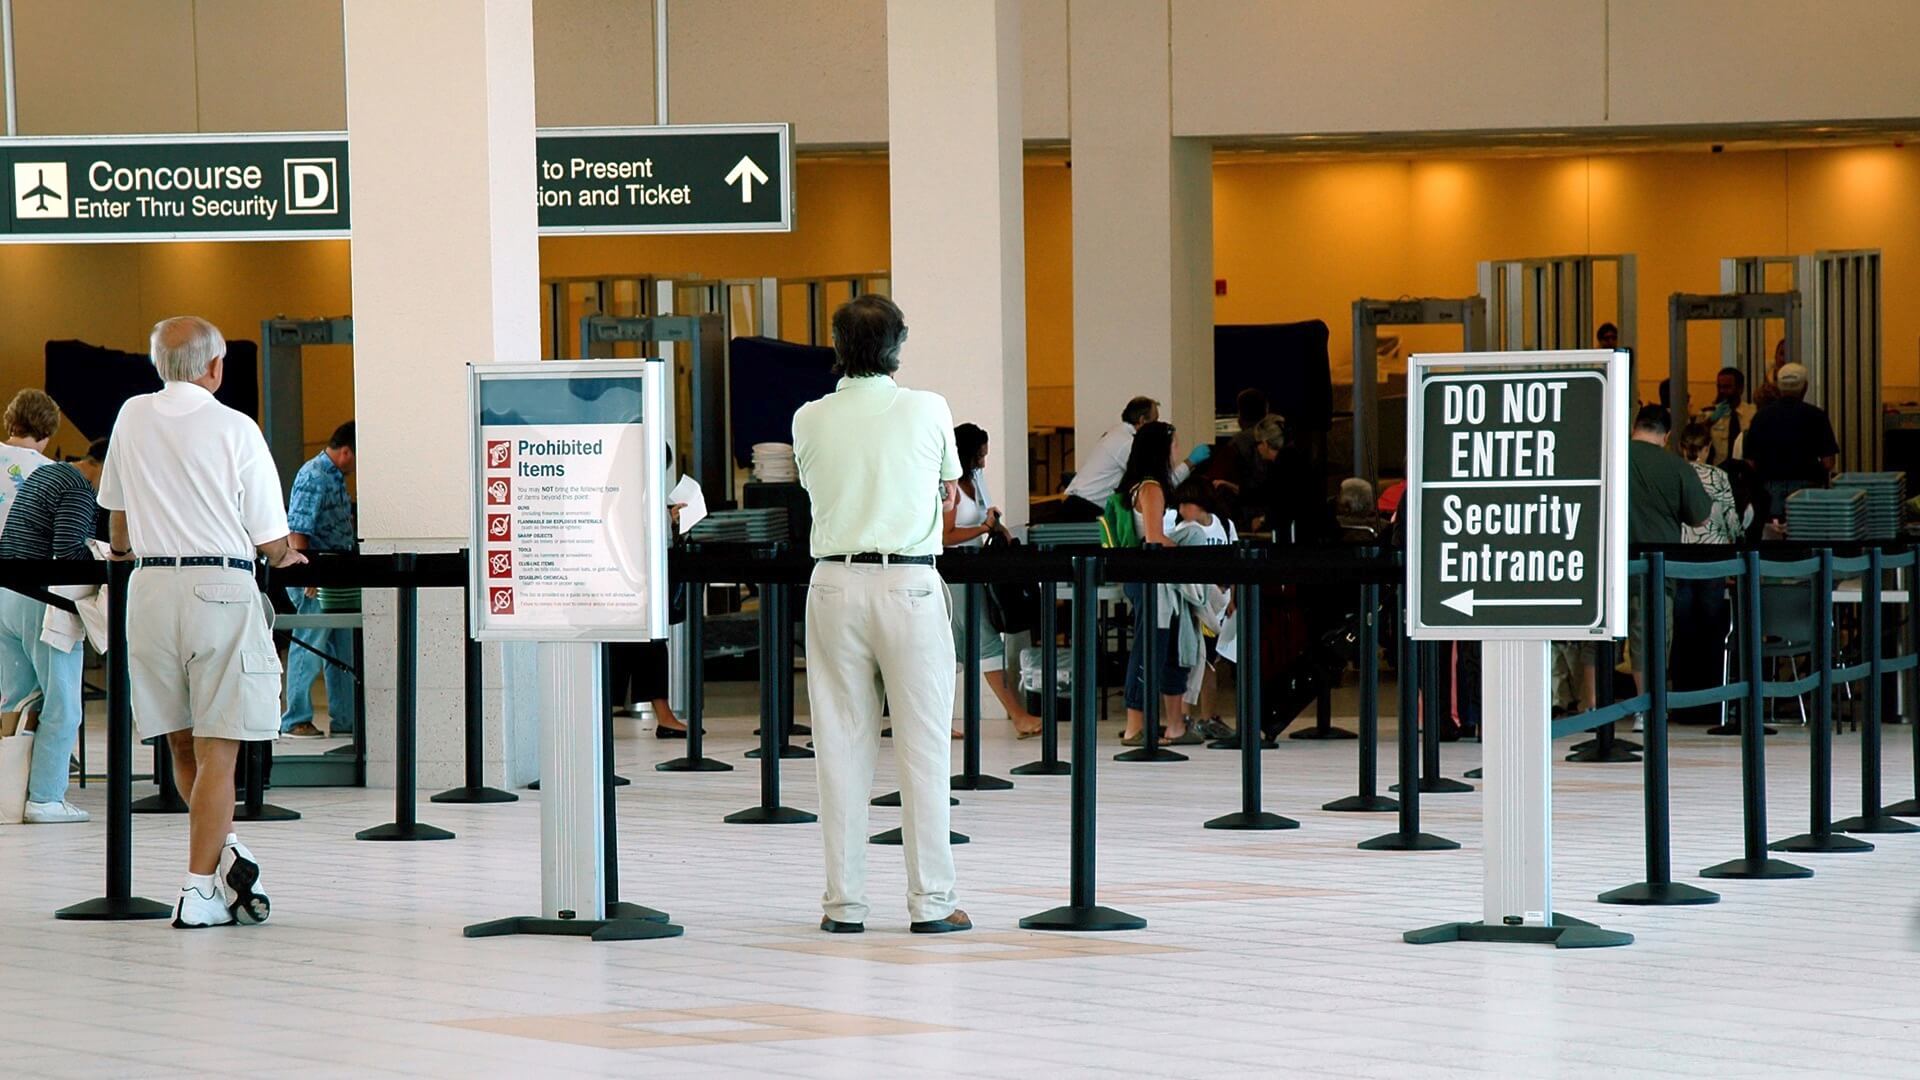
[[54, 813], [197, 909], [239, 877], [1639, 723]]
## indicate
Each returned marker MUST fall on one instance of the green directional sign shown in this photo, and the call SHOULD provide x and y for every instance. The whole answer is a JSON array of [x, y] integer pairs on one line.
[[726, 178], [1515, 497], [686, 179], [175, 187]]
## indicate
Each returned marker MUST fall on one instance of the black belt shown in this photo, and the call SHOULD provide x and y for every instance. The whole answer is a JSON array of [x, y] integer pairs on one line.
[[876, 557], [187, 561]]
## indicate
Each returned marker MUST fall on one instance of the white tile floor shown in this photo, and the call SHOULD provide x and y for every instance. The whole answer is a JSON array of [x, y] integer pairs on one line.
[[1266, 954]]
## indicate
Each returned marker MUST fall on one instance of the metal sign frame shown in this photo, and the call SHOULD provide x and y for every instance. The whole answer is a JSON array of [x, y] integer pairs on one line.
[[1612, 564], [782, 130], [654, 374]]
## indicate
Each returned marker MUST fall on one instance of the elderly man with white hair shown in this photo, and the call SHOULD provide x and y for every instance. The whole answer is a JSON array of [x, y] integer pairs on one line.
[[194, 501]]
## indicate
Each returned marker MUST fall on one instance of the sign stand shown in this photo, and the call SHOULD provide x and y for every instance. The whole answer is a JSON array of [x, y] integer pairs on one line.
[[569, 521], [1517, 537]]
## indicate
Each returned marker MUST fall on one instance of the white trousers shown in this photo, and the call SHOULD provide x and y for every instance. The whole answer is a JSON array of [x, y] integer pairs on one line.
[[881, 633]]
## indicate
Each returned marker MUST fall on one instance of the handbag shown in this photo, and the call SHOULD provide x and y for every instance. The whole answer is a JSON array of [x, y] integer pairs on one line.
[[16, 762], [1012, 607]]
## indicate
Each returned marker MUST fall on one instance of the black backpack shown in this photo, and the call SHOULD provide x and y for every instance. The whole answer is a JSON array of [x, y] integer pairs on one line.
[[1012, 607]]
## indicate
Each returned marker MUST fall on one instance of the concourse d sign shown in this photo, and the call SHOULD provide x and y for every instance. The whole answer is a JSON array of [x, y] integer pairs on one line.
[[1517, 488]]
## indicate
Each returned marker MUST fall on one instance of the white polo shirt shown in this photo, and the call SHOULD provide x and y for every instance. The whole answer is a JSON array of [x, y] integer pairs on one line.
[[193, 476], [871, 456]]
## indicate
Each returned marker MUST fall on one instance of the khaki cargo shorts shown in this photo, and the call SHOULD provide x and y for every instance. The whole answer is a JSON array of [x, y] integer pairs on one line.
[[200, 654]]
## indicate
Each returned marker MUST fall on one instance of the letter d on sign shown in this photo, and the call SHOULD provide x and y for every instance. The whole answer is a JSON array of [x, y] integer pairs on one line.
[[312, 186], [1452, 404]]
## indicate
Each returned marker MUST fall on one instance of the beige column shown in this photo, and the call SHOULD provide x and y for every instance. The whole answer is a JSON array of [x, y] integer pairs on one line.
[[1142, 226], [445, 272], [959, 250]]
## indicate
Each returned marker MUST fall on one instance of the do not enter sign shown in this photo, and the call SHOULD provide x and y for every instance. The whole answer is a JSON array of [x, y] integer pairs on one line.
[[1517, 489]]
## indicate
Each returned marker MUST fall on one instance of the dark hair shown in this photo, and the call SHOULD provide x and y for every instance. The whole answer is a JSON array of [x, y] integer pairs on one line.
[[970, 439], [1695, 436], [867, 334], [1251, 405], [97, 450], [1666, 393], [1739, 377], [342, 437], [1196, 491], [1607, 328], [1653, 418], [1138, 409], [1150, 458]]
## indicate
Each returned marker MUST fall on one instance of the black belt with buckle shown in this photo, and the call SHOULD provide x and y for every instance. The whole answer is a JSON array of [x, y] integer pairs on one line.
[[873, 557], [189, 561]]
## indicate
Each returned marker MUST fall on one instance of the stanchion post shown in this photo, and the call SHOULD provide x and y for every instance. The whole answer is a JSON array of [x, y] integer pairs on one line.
[[1871, 818], [119, 901], [1431, 782], [1247, 675], [1049, 763], [779, 600], [406, 685], [772, 677], [1082, 913], [1369, 800], [1910, 711], [1754, 862], [970, 778], [1820, 835], [1154, 655], [1408, 836], [167, 799], [1659, 888], [610, 851], [696, 759], [475, 790], [253, 804]]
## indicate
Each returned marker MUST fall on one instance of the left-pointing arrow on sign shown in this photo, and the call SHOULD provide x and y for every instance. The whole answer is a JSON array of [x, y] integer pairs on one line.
[[1464, 603], [746, 174]]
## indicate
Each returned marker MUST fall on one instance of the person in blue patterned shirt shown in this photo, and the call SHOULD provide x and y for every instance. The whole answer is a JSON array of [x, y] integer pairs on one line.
[[321, 517]]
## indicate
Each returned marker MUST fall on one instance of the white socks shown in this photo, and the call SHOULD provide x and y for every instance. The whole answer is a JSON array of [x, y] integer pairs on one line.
[[204, 883]]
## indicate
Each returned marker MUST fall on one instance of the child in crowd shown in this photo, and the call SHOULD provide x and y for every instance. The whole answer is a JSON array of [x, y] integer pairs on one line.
[[1194, 521]]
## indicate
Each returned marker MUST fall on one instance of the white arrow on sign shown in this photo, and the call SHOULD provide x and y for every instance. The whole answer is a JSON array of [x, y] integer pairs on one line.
[[1464, 603], [746, 173]]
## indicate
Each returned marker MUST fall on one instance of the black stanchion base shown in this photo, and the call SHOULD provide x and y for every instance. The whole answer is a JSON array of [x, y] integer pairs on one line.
[[620, 909], [1439, 785], [1091, 919], [596, 929], [1753, 869], [1042, 768], [1158, 753], [692, 764], [1593, 753], [1259, 819], [1903, 808], [983, 782], [892, 798], [785, 753], [1397, 841], [104, 908], [1825, 843], [769, 815], [1659, 894], [393, 830], [1565, 933], [1233, 743], [1324, 733], [481, 794], [1363, 804], [1734, 729], [160, 804], [268, 812], [1874, 823], [892, 838], [1475, 774]]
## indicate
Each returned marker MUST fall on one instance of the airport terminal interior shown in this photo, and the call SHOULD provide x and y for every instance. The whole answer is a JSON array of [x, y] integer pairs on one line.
[[1514, 407]]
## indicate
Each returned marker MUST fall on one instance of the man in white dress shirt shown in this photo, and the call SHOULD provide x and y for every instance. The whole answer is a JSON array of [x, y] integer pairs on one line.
[[1100, 470], [193, 495]]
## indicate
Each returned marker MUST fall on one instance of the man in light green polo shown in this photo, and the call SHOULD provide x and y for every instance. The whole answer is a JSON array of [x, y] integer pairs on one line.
[[879, 464]]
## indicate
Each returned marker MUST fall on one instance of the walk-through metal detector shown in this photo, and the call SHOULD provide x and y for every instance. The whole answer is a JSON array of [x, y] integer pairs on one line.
[[1741, 309], [1468, 313], [700, 436], [1548, 303], [282, 400], [1839, 334]]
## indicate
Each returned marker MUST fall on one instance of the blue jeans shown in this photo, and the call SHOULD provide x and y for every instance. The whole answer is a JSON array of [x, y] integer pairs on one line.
[[26, 662], [303, 667], [1173, 677]]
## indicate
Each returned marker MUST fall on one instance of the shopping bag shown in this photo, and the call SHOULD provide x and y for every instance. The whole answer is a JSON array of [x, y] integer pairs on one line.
[[16, 762]]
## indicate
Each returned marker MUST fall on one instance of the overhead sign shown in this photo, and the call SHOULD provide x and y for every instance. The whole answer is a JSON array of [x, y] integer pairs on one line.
[[174, 187], [569, 511], [725, 178], [685, 179], [1517, 495]]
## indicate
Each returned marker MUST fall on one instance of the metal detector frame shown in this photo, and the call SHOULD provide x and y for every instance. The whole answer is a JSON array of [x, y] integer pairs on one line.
[[283, 416], [1509, 284], [1469, 313], [1684, 308]]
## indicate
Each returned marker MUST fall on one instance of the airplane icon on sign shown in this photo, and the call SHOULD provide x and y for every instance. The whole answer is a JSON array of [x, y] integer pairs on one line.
[[41, 191]]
